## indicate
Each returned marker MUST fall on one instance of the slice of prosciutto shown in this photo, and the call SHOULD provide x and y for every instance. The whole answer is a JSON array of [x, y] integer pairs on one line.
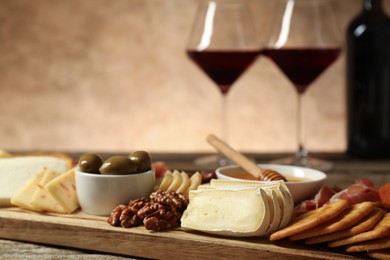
[[362, 190]]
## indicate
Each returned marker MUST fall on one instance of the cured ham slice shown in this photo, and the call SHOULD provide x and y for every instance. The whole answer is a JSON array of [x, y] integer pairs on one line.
[[322, 197], [362, 190]]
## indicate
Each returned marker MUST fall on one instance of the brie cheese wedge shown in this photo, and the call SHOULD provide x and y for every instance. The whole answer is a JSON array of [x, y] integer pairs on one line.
[[286, 202], [229, 212]]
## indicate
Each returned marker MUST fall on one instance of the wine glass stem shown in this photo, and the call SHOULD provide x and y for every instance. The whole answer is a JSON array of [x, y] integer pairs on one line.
[[301, 153], [224, 129]]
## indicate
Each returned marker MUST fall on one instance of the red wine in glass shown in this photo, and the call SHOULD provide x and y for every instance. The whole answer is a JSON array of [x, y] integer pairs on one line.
[[302, 65], [224, 67]]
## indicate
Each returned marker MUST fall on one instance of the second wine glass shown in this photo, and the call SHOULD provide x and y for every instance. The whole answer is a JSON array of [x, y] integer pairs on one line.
[[223, 43], [304, 41]]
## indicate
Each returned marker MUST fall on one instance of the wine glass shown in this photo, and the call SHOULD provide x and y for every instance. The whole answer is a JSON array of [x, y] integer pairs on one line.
[[223, 43], [304, 41]]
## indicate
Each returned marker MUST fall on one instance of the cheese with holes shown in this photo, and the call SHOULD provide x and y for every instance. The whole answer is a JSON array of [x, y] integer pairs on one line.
[[237, 213], [63, 189], [42, 200], [22, 198], [15, 172]]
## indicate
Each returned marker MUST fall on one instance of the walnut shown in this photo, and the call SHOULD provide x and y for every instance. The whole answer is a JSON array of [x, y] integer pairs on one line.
[[129, 218], [137, 204], [176, 200], [161, 211], [113, 219], [126, 215], [159, 217]]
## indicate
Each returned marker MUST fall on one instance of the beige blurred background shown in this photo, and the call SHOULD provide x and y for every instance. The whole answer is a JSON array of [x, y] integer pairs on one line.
[[112, 75]]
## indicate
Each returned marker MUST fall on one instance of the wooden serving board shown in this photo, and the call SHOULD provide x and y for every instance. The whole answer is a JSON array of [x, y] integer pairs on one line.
[[93, 233]]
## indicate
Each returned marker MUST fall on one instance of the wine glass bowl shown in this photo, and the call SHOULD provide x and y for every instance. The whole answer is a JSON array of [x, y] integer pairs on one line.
[[304, 42], [223, 43]]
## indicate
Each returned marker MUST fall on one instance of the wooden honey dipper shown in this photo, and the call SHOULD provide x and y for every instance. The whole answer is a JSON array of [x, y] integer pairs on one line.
[[243, 161]]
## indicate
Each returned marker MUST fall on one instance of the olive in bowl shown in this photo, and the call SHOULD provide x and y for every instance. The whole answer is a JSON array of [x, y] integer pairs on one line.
[[118, 165], [142, 159], [90, 163], [116, 182]]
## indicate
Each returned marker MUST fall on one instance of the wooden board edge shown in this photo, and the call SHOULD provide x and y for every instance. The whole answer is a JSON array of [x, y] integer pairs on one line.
[[73, 233]]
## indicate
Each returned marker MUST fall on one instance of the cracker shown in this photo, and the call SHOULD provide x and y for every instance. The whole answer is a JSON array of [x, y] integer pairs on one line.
[[381, 229], [383, 254], [365, 224], [311, 219], [348, 218], [375, 244]]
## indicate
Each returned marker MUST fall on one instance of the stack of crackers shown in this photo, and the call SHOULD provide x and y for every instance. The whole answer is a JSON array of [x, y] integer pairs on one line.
[[362, 227]]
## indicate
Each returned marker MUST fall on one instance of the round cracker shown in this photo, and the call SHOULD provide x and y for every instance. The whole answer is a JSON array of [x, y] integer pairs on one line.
[[383, 254], [348, 218], [311, 219], [375, 244], [382, 229], [365, 224]]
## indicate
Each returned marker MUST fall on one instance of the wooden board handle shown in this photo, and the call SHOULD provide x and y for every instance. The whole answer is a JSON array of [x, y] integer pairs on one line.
[[235, 156]]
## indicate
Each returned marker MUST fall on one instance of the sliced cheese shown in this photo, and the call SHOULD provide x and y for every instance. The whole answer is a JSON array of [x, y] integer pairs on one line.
[[15, 172], [22, 198], [276, 219], [176, 181], [237, 213], [42, 199], [185, 183], [284, 197], [63, 189]]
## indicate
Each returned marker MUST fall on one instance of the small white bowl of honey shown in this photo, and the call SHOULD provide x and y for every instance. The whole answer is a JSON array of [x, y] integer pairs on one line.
[[303, 183]]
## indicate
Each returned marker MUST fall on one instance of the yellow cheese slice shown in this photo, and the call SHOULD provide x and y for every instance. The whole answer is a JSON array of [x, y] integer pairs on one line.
[[42, 199], [22, 198], [236, 213], [63, 189], [176, 181]]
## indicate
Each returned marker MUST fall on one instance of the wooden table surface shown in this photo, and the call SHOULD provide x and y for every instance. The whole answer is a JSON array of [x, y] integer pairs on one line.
[[345, 171]]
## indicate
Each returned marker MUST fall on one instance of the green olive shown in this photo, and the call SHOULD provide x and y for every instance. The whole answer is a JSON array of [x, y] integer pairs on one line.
[[142, 159], [90, 163], [118, 165]]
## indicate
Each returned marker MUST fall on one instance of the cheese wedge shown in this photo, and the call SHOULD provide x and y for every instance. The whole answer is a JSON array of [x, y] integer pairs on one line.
[[236, 213], [42, 200], [63, 190], [276, 219], [15, 172], [273, 201], [286, 202], [22, 198]]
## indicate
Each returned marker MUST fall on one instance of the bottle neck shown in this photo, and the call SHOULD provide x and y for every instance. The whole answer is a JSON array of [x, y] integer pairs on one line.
[[372, 5]]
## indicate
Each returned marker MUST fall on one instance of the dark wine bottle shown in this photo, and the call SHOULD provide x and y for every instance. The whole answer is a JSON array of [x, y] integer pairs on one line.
[[368, 83]]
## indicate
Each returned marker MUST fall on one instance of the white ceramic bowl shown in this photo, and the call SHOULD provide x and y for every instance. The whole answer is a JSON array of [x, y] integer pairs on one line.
[[99, 194], [304, 182]]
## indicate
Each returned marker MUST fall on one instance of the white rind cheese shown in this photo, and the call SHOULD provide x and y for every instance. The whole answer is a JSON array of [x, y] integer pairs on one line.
[[283, 194], [15, 172], [236, 213]]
